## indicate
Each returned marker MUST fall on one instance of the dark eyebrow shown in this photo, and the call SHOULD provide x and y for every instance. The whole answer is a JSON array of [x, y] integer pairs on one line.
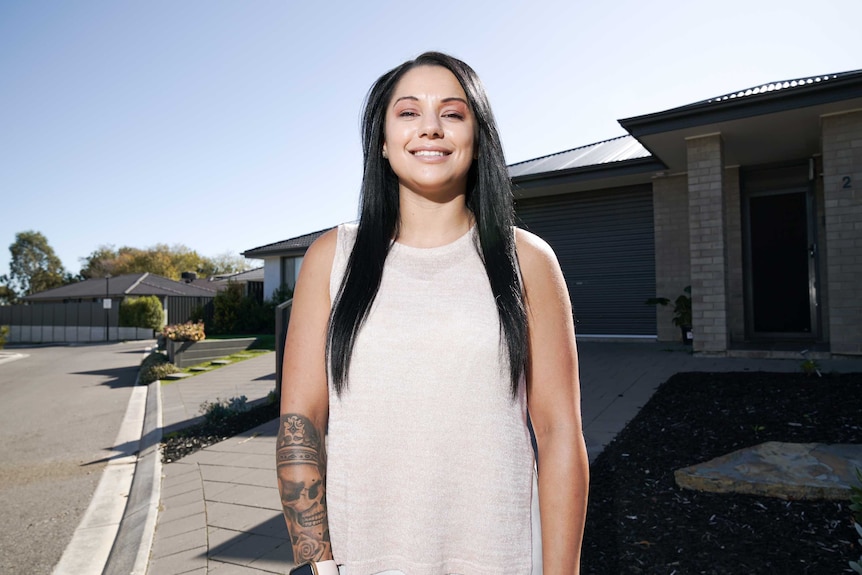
[[444, 100]]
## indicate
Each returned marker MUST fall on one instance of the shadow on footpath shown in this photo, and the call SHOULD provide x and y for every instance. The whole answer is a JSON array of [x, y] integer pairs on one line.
[[118, 377], [268, 539]]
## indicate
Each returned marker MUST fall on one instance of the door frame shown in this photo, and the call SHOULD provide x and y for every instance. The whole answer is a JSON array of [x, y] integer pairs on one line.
[[813, 256]]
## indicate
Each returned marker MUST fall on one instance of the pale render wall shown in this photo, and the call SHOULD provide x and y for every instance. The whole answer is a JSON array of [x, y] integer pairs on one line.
[[672, 259], [707, 232], [271, 275], [842, 187]]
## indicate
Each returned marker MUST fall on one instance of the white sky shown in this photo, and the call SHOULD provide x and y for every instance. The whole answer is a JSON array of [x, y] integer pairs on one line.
[[226, 125]]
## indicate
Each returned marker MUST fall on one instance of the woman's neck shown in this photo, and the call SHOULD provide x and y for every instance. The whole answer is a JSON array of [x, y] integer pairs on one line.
[[426, 224]]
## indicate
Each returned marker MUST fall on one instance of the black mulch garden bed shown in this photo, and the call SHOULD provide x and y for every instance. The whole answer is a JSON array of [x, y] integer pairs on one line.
[[639, 521], [186, 441]]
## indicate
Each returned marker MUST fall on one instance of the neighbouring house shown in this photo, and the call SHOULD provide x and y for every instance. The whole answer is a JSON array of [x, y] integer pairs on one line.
[[250, 280], [89, 310], [753, 199], [282, 261]]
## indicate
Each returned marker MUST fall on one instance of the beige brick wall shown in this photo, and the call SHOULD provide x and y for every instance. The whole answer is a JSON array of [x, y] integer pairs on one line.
[[706, 213], [672, 260], [842, 189]]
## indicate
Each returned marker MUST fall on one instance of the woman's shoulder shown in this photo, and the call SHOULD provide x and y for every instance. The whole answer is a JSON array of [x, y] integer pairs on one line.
[[544, 283], [321, 253], [323, 245], [534, 253]]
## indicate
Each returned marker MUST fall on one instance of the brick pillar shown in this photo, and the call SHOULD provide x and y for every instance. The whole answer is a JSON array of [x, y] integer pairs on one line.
[[842, 189], [706, 216]]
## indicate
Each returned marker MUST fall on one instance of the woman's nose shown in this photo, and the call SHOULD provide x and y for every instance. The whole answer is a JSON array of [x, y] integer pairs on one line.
[[431, 126]]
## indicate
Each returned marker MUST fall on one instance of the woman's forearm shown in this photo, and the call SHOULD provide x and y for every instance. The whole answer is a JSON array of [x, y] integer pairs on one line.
[[563, 487], [301, 462]]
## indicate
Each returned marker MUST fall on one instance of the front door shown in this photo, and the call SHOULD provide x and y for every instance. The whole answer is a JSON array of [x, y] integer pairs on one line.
[[781, 292]]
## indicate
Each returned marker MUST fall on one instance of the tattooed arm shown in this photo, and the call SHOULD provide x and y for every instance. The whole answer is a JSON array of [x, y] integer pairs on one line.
[[301, 459], [300, 447]]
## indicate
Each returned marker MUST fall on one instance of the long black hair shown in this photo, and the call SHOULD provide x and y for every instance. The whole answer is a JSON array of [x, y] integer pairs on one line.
[[488, 197]]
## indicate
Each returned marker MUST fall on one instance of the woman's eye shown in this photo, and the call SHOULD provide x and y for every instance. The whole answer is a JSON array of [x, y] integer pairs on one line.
[[454, 115], [407, 114]]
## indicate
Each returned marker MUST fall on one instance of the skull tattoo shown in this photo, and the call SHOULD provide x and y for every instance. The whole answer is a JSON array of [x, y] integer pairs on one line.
[[301, 466]]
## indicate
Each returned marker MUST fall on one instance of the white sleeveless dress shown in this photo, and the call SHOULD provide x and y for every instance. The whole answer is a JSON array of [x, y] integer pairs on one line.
[[430, 468]]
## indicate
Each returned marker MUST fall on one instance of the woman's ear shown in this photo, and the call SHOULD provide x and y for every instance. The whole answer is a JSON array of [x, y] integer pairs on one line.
[[385, 153]]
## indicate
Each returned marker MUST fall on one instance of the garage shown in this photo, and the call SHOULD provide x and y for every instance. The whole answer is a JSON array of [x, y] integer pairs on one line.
[[605, 243]]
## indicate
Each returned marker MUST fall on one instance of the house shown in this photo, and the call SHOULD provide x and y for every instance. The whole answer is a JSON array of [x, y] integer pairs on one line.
[[119, 287], [250, 280], [282, 261], [753, 199], [89, 310]]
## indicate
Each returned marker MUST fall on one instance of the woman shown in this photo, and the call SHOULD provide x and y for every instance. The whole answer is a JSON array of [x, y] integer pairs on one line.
[[418, 339]]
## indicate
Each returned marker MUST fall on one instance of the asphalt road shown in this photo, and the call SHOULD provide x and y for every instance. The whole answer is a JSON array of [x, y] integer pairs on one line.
[[60, 410]]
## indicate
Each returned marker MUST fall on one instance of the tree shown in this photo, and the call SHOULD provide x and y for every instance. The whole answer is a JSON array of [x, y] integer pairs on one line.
[[225, 263], [100, 263], [160, 259], [7, 294], [34, 266]]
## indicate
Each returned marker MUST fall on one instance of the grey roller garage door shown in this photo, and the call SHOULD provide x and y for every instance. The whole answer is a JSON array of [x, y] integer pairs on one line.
[[606, 247]]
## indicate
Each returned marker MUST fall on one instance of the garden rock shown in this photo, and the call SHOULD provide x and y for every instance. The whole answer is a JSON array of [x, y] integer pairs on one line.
[[792, 471]]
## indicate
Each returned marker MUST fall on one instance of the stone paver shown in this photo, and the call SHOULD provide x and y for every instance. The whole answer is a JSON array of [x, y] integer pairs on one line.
[[775, 469]]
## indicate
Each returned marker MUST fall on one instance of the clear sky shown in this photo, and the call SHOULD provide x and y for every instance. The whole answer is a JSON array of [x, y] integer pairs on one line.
[[225, 125]]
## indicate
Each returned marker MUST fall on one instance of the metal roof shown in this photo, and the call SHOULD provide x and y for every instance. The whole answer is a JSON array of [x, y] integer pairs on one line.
[[253, 275], [775, 86], [298, 244], [124, 285], [611, 151]]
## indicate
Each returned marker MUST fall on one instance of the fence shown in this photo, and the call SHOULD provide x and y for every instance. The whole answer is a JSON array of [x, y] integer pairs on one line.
[[67, 322], [182, 308], [282, 319], [88, 321]]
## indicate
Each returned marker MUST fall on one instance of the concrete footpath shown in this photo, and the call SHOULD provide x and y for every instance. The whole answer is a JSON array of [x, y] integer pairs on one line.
[[219, 508]]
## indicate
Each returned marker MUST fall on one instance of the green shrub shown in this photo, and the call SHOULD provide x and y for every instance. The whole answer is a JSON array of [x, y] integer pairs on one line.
[[216, 412], [226, 309], [156, 366], [4, 332], [235, 313], [145, 312]]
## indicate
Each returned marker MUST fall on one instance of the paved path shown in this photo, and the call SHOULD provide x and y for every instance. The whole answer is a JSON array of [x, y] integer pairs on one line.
[[220, 509], [182, 399]]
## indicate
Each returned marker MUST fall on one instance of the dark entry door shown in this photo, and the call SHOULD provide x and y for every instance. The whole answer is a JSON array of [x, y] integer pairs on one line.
[[782, 299]]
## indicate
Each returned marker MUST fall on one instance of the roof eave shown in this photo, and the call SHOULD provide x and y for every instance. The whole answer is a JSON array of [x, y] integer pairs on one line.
[[710, 112], [261, 253], [270, 250]]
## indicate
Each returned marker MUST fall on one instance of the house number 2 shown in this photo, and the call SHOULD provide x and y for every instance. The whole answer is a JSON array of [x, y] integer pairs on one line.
[[846, 182]]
